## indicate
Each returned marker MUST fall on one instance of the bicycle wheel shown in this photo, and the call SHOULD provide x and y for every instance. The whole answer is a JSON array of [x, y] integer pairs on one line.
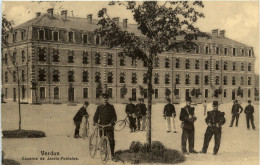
[[119, 125], [93, 145], [104, 149]]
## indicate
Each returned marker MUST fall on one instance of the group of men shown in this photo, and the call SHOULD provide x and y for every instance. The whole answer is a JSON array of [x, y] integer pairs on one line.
[[136, 115]]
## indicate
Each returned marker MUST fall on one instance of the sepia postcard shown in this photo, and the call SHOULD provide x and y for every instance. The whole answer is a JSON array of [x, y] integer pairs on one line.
[[130, 82]]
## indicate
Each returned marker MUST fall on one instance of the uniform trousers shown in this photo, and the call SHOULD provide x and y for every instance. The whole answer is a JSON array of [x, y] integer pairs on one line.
[[216, 131], [170, 122], [187, 134], [250, 118], [77, 124], [234, 116], [109, 132], [132, 124]]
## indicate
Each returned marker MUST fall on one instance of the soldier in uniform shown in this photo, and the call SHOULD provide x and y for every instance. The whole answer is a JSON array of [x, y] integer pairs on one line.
[[215, 119], [78, 118], [249, 110], [187, 116], [106, 114], [235, 113], [130, 111], [168, 113]]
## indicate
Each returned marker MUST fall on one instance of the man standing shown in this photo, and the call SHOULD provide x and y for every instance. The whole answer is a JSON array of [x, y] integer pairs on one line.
[[235, 113], [138, 113], [215, 119], [106, 114], [187, 116], [130, 111], [205, 107], [249, 110], [168, 113], [78, 118], [143, 113]]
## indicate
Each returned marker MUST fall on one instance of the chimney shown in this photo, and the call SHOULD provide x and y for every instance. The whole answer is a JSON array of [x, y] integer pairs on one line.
[[116, 20], [125, 23], [89, 17], [38, 14], [50, 12], [64, 14], [215, 33], [222, 33]]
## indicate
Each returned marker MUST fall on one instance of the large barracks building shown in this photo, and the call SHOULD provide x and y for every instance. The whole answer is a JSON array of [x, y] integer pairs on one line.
[[61, 61]]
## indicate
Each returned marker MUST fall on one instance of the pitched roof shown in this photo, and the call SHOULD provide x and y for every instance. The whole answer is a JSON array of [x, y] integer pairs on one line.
[[83, 24]]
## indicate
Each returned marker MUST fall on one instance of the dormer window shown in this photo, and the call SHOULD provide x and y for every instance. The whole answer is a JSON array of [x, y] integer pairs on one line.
[[14, 36], [85, 38], [70, 36], [217, 65], [225, 51], [217, 50], [41, 34], [207, 50], [22, 35], [234, 52], [249, 53], [97, 40], [56, 36], [242, 52]]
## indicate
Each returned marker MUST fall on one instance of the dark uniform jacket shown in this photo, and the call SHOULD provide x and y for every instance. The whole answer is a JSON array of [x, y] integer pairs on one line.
[[130, 108], [143, 109], [140, 109], [215, 117], [184, 116], [79, 115], [249, 110], [105, 114], [169, 109], [235, 108]]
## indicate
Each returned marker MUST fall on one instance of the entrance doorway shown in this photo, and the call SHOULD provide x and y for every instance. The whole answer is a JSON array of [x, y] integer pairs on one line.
[[71, 94], [233, 95]]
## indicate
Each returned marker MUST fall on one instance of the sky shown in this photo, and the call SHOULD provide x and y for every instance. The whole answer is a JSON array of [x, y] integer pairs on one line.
[[240, 19]]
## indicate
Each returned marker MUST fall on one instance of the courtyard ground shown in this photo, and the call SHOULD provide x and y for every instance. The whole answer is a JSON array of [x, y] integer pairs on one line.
[[239, 146]]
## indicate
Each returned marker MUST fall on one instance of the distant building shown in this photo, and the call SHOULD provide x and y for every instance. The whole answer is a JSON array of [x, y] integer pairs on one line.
[[66, 60]]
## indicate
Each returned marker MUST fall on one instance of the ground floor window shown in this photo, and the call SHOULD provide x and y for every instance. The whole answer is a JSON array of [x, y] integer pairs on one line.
[[42, 93], [6, 93], [156, 93], [145, 93], [85, 93], [225, 93], [249, 93], [56, 93], [134, 94], [206, 93], [23, 92], [14, 94], [187, 93], [177, 93]]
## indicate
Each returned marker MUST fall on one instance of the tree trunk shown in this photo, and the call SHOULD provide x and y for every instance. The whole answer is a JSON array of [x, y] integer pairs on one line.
[[19, 105]]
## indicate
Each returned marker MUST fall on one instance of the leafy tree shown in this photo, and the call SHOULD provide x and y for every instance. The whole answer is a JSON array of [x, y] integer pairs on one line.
[[164, 26]]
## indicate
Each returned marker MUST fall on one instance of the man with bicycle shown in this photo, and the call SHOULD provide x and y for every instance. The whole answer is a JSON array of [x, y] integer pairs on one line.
[[106, 114]]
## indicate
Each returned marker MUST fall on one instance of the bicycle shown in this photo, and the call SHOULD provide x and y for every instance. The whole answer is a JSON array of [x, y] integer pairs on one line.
[[85, 127], [103, 145], [120, 124]]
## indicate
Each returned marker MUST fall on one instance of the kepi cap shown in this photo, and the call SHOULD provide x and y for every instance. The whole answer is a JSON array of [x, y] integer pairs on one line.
[[215, 103]]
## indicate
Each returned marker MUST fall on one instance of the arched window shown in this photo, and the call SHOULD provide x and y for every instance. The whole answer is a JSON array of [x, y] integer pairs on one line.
[[56, 75], [109, 77], [156, 78], [85, 76]]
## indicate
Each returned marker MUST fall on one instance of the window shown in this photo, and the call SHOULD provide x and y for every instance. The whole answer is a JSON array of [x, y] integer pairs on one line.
[[177, 64], [6, 59], [249, 93], [156, 93], [134, 79], [234, 51], [145, 63], [225, 93], [70, 76], [207, 50], [70, 36], [206, 65], [14, 36], [187, 79], [41, 34], [233, 80], [217, 65], [242, 66], [55, 75], [85, 93], [109, 59], [249, 81], [42, 54], [23, 76], [14, 76], [23, 92], [133, 62], [122, 77], [122, 61], [109, 77], [22, 35], [225, 65], [217, 80], [167, 78], [206, 80], [97, 40], [5, 41], [234, 66], [71, 57], [42, 92], [145, 93], [177, 93], [187, 64], [56, 92], [225, 51], [56, 36], [242, 52], [217, 50], [242, 81], [109, 91], [23, 56], [97, 58], [6, 76], [197, 64], [85, 38], [167, 63], [85, 76], [6, 93], [13, 58], [177, 79], [225, 80], [156, 78], [55, 55], [85, 57], [197, 79], [14, 94], [249, 67], [197, 50], [249, 53], [122, 93], [42, 74], [206, 93], [156, 62], [97, 77], [145, 78]]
